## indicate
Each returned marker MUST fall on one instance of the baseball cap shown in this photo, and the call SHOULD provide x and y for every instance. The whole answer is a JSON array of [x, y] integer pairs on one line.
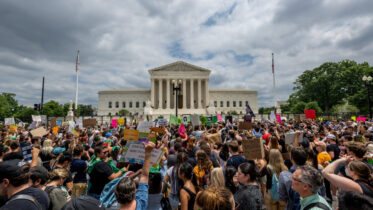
[[11, 169], [39, 172], [107, 135], [58, 150]]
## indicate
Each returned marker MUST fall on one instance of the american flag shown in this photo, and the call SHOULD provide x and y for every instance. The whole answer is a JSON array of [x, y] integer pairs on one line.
[[273, 65], [77, 62]]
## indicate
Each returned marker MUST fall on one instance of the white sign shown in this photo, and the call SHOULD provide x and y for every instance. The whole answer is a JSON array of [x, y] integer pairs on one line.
[[273, 116], [136, 154], [162, 122], [79, 123], [71, 125], [290, 138], [36, 118], [43, 118], [195, 120], [145, 126], [9, 121]]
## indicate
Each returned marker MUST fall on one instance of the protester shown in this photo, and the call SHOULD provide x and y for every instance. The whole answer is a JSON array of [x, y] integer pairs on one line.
[[230, 177], [57, 194], [79, 169], [235, 159], [215, 198], [190, 188]]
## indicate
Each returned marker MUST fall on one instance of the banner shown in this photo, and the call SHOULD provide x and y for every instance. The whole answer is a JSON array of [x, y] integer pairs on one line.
[[131, 134], [134, 152], [310, 113], [145, 126], [9, 121], [253, 149]]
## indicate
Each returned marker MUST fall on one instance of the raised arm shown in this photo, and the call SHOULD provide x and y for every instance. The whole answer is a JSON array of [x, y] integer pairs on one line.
[[145, 169]]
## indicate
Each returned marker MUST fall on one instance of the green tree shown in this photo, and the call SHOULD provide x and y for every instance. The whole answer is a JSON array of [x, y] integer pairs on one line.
[[24, 113], [85, 110], [266, 110], [344, 108], [8, 105], [53, 109], [298, 108], [124, 112], [313, 105], [234, 112]]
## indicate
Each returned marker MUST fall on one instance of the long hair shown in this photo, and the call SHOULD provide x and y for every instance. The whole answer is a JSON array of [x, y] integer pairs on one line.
[[187, 170], [203, 161], [217, 177], [274, 142], [361, 170], [229, 173], [276, 161], [215, 198], [47, 147]]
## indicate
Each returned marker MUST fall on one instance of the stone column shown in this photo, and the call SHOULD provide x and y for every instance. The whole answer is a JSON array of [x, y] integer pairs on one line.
[[207, 97], [184, 94], [199, 94], [168, 94], [191, 94], [160, 99], [152, 93]]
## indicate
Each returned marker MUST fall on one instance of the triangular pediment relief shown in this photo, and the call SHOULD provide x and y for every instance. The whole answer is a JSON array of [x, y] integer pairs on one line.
[[179, 66]]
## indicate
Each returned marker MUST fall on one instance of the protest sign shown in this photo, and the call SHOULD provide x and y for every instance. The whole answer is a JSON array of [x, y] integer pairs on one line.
[[358, 119], [289, 138], [157, 130], [302, 117], [131, 134], [186, 120], [36, 118], [214, 119], [145, 126], [89, 122], [272, 116], [43, 118], [173, 120], [353, 118], [59, 122], [203, 120], [247, 118], [120, 121], [245, 126], [71, 125], [9, 121], [216, 137], [79, 123], [310, 113], [114, 123], [146, 137], [53, 122], [12, 129], [253, 148], [219, 117], [32, 125], [134, 152], [208, 120], [162, 122], [55, 130], [278, 118], [195, 120], [39, 132]]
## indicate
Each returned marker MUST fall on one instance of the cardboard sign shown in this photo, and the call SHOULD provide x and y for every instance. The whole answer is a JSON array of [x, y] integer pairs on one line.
[[245, 126], [157, 130], [131, 134], [216, 137], [39, 132], [145, 126], [253, 149], [195, 120], [89, 122], [289, 138], [134, 152], [53, 122], [9, 121]]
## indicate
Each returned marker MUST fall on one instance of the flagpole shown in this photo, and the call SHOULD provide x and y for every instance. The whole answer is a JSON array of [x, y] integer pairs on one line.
[[77, 82], [274, 81]]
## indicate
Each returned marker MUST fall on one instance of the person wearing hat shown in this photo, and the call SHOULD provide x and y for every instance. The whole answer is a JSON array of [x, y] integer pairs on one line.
[[39, 177], [332, 147], [14, 184]]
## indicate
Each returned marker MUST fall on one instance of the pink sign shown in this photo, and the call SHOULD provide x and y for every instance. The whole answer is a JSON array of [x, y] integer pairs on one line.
[[360, 119], [278, 117], [219, 117], [114, 123]]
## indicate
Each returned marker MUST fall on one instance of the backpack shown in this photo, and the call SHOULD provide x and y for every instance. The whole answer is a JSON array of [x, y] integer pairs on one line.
[[274, 188], [318, 205], [25, 197], [48, 190]]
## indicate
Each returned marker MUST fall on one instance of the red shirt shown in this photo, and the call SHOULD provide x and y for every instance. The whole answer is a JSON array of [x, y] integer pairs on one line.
[[266, 137]]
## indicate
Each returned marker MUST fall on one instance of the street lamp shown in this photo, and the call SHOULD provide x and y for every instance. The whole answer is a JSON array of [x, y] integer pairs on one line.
[[176, 87], [367, 80]]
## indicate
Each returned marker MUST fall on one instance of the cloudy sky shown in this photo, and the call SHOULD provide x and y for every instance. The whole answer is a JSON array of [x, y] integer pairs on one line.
[[119, 40]]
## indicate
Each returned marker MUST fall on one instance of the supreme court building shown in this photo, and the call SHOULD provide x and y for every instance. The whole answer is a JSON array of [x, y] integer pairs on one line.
[[181, 81]]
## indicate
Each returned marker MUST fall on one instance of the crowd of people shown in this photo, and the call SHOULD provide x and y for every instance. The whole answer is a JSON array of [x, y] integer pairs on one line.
[[329, 165]]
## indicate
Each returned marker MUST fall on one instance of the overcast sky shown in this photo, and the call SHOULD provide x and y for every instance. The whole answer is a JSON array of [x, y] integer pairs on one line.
[[120, 40]]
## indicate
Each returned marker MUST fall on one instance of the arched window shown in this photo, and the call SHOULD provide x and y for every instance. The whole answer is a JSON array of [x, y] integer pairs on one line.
[[110, 104]]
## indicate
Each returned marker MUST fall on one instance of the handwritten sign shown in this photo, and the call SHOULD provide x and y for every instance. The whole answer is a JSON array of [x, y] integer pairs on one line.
[[289, 138], [12, 129], [135, 153], [157, 130], [162, 122], [216, 137], [120, 121], [131, 134], [195, 120], [9, 121], [55, 130], [245, 126], [253, 149], [145, 126], [146, 137], [219, 117], [39, 132], [89, 122]]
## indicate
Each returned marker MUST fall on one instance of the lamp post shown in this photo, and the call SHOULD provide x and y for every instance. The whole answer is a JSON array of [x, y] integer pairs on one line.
[[176, 87], [367, 80]]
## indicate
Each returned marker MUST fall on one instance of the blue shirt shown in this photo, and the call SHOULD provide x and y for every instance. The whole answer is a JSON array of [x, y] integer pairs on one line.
[[141, 196]]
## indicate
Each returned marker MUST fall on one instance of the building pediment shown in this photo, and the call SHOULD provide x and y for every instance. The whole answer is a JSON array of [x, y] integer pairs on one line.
[[179, 66]]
